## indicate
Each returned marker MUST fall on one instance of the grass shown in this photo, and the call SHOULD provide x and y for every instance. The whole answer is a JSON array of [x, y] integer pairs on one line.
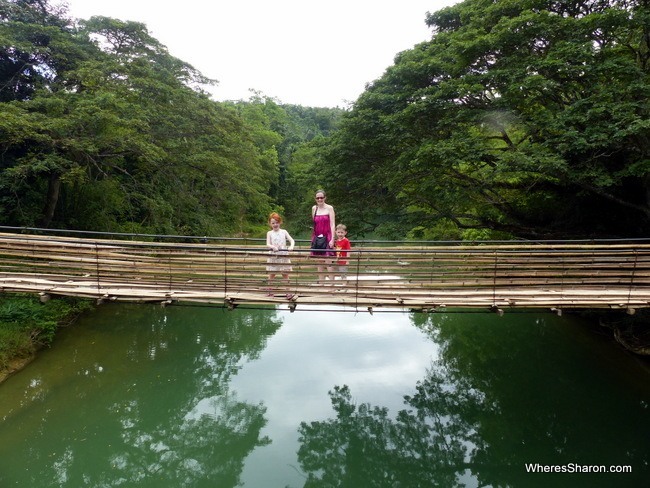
[[26, 324]]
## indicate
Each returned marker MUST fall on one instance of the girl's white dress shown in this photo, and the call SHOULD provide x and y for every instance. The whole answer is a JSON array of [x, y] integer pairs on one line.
[[278, 260]]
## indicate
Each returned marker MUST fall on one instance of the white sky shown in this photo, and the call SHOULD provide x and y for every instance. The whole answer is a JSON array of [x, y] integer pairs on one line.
[[318, 54]]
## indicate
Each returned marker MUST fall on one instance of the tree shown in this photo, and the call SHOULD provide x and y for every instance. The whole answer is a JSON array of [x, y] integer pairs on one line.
[[105, 130], [308, 130], [289, 136], [528, 118]]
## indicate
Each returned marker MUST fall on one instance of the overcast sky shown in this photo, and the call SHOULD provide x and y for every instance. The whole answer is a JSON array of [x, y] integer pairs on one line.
[[318, 54]]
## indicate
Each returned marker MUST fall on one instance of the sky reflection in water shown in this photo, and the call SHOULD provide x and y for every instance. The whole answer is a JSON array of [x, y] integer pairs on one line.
[[190, 396]]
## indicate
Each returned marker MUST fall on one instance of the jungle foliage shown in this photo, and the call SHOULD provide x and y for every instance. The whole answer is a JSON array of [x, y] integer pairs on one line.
[[103, 129], [519, 118], [526, 118], [26, 324]]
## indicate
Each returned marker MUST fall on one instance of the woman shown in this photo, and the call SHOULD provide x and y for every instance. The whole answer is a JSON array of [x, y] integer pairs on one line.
[[324, 220]]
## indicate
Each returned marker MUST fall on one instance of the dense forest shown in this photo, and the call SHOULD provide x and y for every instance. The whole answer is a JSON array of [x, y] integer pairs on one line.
[[102, 129], [526, 118], [517, 119]]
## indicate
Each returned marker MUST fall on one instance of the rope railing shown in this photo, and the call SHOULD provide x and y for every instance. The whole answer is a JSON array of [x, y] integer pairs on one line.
[[495, 276], [176, 239]]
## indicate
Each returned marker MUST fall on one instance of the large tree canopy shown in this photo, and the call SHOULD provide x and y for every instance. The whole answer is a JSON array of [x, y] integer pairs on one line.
[[103, 129], [519, 117]]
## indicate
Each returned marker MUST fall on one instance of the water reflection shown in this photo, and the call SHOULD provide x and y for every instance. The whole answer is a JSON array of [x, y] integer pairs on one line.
[[155, 410], [143, 396], [363, 446], [497, 398]]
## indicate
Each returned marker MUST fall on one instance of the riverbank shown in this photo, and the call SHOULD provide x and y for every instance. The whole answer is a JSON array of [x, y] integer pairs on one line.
[[632, 331], [26, 325], [14, 366]]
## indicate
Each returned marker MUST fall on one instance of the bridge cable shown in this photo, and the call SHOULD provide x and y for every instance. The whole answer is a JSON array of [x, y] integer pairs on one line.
[[494, 281], [356, 291], [225, 273], [629, 293], [99, 292]]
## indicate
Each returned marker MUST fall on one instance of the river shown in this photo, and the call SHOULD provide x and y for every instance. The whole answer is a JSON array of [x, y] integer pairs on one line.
[[193, 396]]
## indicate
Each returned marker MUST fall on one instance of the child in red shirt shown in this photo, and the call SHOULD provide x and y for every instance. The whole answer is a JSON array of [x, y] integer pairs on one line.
[[342, 246]]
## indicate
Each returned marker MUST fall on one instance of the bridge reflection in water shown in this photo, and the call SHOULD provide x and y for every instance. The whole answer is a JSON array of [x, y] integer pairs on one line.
[[423, 276]]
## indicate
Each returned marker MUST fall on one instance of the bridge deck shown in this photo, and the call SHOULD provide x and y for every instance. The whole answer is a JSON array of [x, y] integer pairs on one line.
[[497, 277]]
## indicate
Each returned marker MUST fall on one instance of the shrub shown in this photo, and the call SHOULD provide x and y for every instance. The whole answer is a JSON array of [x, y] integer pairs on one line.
[[27, 324]]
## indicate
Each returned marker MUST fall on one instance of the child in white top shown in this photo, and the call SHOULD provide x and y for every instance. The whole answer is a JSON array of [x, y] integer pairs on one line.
[[278, 261]]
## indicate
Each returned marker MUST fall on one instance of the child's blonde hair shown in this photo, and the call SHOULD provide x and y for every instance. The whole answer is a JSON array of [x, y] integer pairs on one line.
[[342, 227]]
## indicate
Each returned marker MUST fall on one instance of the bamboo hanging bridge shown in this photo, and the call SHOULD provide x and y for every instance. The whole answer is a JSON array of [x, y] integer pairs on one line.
[[423, 277]]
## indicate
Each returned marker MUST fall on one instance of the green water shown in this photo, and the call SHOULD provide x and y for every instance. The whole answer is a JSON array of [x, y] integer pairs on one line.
[[139, 395]]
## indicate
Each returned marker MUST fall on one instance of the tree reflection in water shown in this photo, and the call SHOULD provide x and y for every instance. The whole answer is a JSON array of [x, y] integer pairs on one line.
[[154, 395], [187, 450], [502, 394], [423, 446], [175, 423]]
